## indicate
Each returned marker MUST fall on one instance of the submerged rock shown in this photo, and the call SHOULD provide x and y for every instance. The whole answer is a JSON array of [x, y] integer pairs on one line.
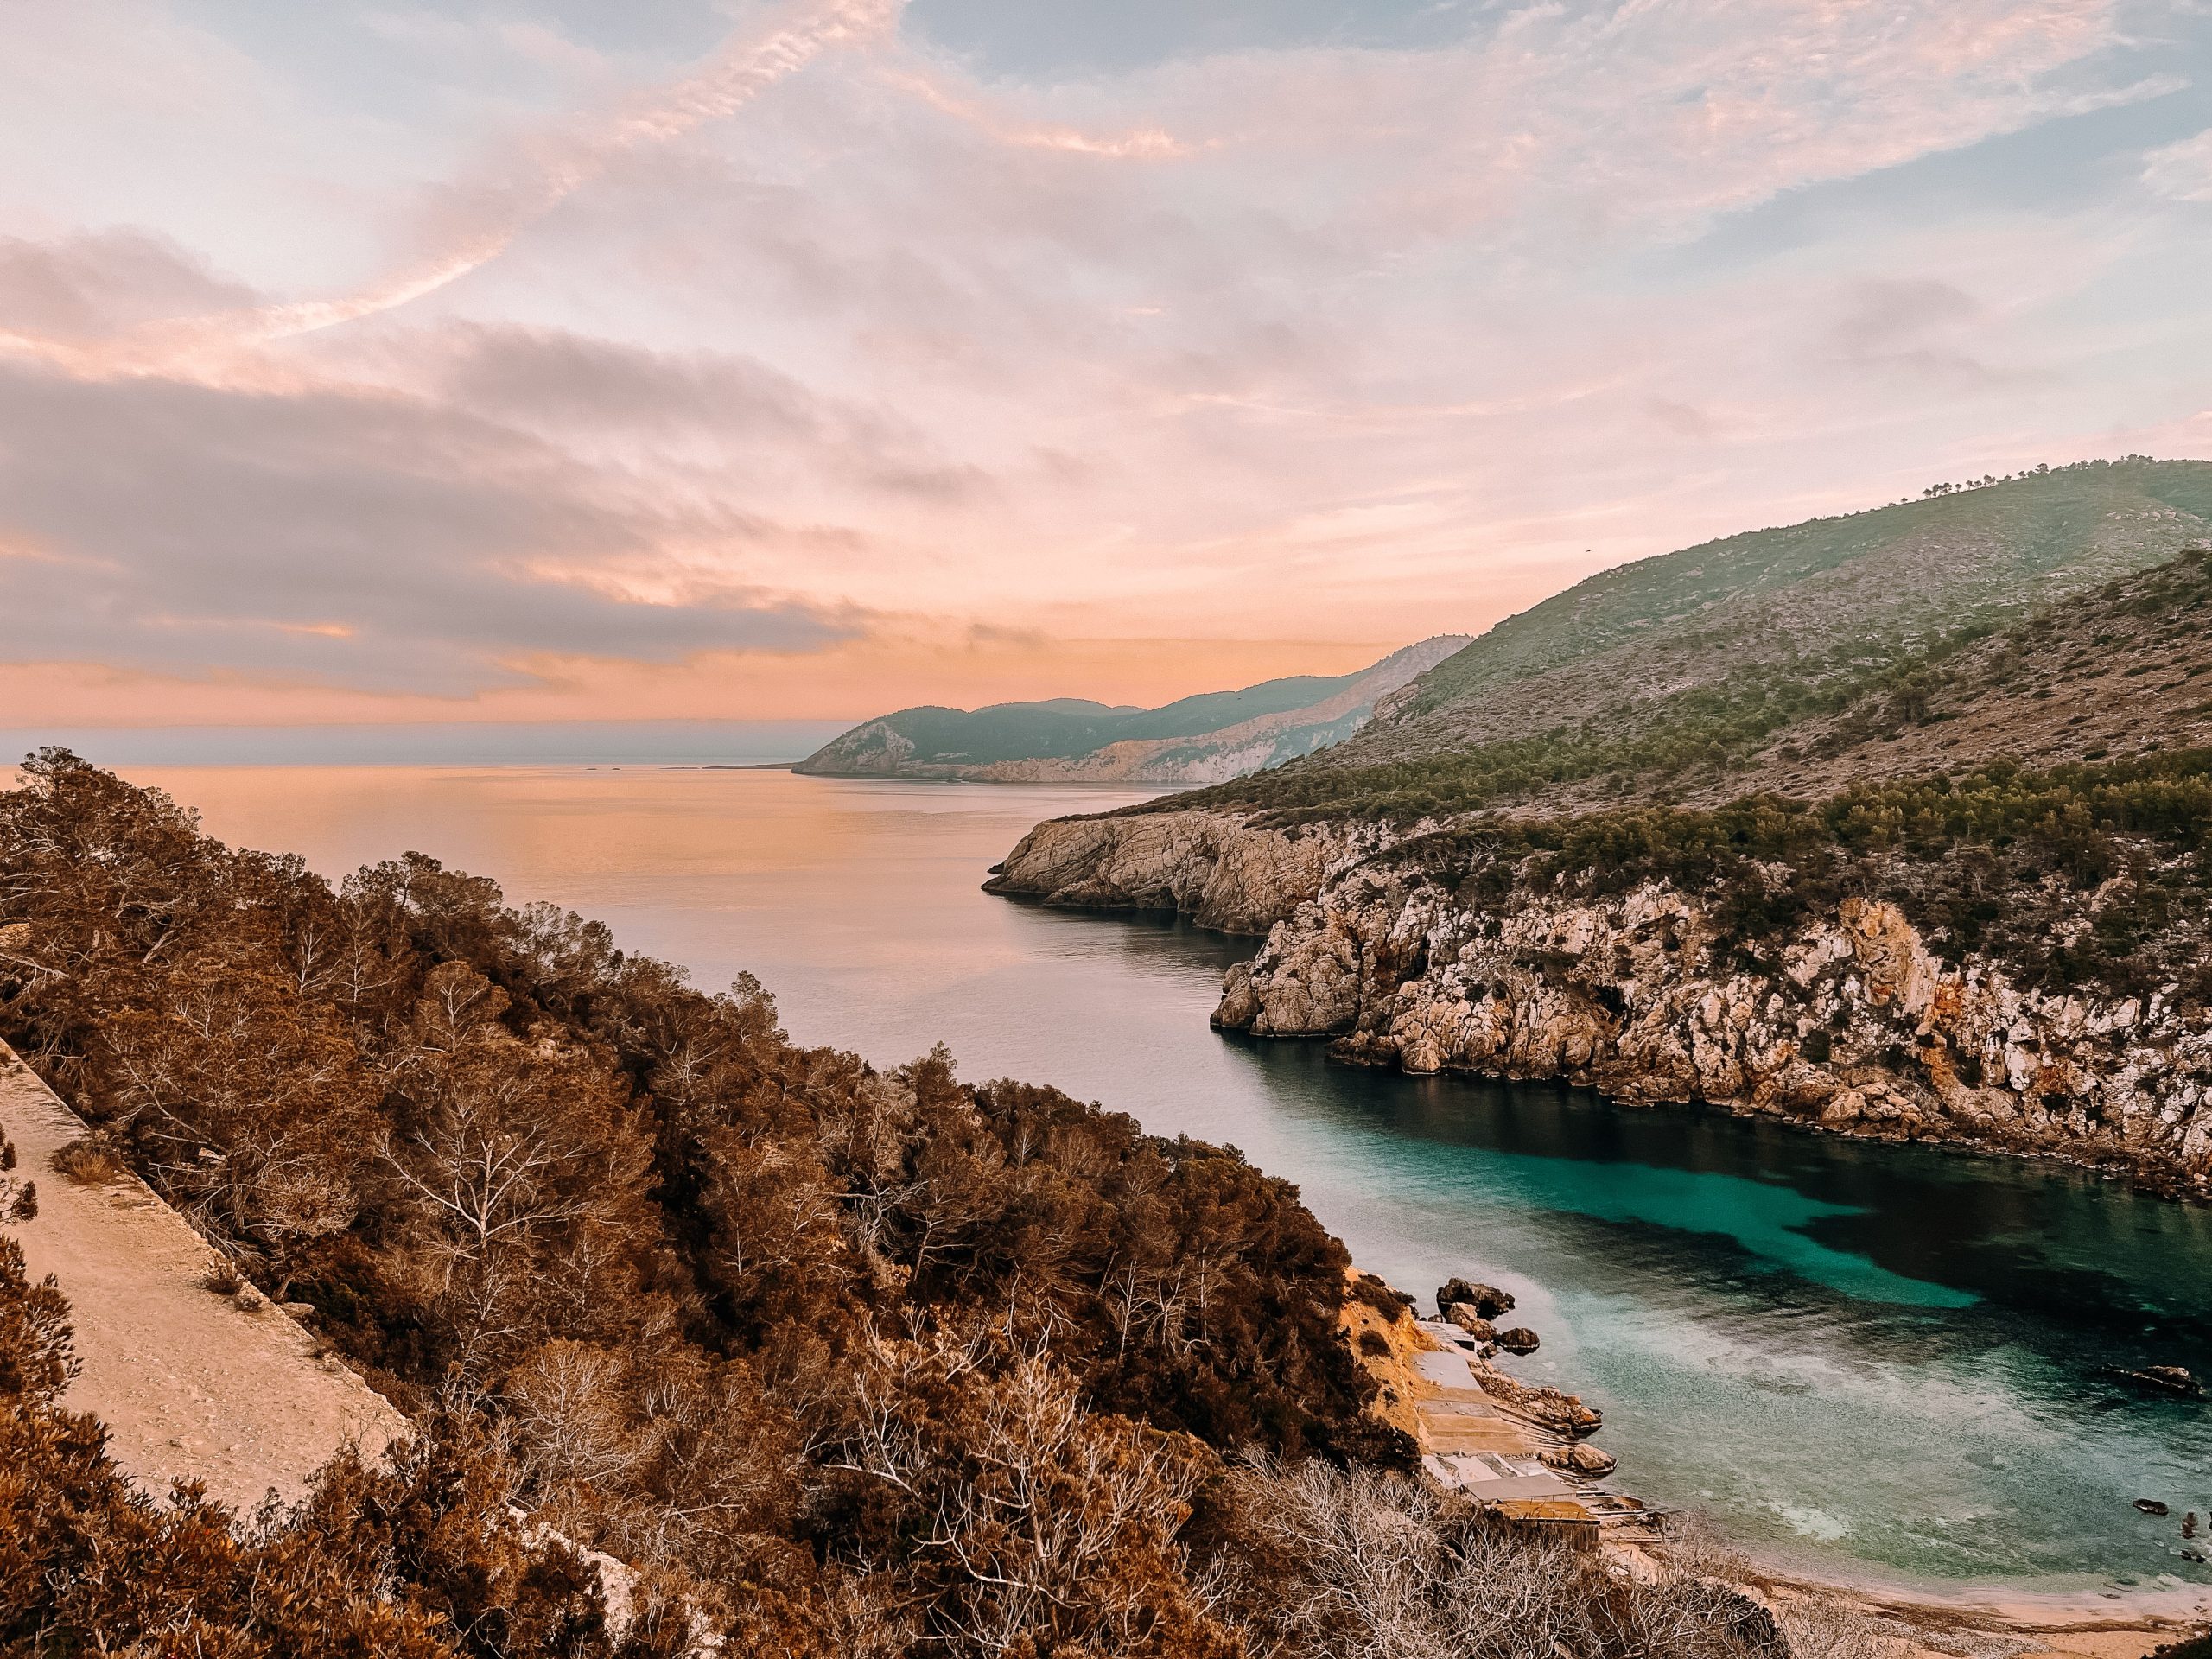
[[2171, 1379], [2151, 1506]]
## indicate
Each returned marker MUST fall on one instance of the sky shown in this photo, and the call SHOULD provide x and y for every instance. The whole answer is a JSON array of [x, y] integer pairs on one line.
[[717, 360]]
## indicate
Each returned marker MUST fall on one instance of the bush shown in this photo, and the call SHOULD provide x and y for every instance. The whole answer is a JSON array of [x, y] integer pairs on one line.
[[421, 1561], [223, 1277], [628, 1230], [89, 1161]]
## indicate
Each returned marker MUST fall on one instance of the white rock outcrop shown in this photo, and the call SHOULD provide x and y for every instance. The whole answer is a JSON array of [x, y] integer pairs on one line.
[[1852, 1022], [1210, 866]]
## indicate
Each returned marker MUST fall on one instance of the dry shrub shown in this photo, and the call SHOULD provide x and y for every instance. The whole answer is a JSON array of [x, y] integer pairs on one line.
[[222, 1278], [89, 1161], [1829, 1630], [1317, 1562], [1378, 1294], [421, 1559], [18, 1198]]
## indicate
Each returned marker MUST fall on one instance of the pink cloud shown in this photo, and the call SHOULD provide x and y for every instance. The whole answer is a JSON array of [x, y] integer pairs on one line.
[[1280, 346]]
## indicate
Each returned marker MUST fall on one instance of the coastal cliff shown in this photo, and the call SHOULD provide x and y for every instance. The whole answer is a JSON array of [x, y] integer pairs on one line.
[[1848, 1022], [1213, 866], [1956, 885]]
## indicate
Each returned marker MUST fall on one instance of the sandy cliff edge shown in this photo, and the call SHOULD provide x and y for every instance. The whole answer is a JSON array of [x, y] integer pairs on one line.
[[190, 1384]]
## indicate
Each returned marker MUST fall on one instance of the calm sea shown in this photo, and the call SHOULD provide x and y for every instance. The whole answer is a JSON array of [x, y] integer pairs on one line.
[[1864, 1358]]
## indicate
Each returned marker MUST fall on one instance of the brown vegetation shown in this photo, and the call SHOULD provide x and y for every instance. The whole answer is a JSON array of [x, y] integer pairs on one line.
[[90, 1160], [845, 1362], [420, 1560]]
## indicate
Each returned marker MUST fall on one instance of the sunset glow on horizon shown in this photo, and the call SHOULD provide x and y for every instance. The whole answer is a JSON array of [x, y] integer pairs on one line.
[[731, 360]]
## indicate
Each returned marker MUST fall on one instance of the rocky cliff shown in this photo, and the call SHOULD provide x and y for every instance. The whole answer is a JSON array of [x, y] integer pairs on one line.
[[1961, 892], [1215, 868], [1853, 1019], [1849, 1021]]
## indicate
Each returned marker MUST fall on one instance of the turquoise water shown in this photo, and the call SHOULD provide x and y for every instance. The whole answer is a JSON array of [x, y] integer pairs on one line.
[[1864, 1357]]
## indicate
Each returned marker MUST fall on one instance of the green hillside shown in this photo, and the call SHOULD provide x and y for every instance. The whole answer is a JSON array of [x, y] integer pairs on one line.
[[1214, 734], [1070, 725], [1893, 572], [1677, 672]]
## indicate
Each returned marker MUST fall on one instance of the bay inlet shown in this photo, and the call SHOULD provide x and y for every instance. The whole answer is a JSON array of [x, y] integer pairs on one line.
[[1864, 1359]]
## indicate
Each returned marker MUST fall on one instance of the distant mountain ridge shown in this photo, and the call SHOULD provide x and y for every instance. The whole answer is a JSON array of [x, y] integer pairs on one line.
[[1206, 738]]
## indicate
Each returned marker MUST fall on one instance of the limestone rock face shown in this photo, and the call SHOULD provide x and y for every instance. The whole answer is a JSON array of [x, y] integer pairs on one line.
[[1211, 866], [1852, 1022], [1313, 987], [1240, 1005]]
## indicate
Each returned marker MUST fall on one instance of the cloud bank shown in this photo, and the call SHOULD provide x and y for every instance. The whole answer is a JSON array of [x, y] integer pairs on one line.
[[822, 356]]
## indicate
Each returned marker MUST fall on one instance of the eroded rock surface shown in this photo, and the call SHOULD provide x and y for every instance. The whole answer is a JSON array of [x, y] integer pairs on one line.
[[1211, 866], [1852, 1022]]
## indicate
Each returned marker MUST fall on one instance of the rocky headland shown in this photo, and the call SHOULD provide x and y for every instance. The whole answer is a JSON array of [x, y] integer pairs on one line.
[[1218, 869], [1206, 738], [1951, 884], [1849, 1021]]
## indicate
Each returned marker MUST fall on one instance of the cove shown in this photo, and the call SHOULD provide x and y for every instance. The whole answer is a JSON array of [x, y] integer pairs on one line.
[[1883, 1360]]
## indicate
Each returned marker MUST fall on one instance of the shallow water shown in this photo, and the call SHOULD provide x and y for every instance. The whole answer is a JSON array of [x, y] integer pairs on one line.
[[1862, 1356]]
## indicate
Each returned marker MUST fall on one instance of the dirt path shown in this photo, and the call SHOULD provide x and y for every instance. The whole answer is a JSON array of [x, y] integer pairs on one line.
[[189, 1382]]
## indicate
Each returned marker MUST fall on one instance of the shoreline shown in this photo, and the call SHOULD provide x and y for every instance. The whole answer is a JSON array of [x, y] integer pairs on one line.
[[2055, 1625], [2114, 1169], [2138, 1176], [1480, 1438], [2056, 1605]]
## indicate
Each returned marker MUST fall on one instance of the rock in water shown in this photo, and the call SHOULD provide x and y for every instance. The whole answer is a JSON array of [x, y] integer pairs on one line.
[[1463, 1314], [2173, 1379], [1581, 1459], [1518, 1340], [1239, 1007], [2150, 1506], [1487, 1300]]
